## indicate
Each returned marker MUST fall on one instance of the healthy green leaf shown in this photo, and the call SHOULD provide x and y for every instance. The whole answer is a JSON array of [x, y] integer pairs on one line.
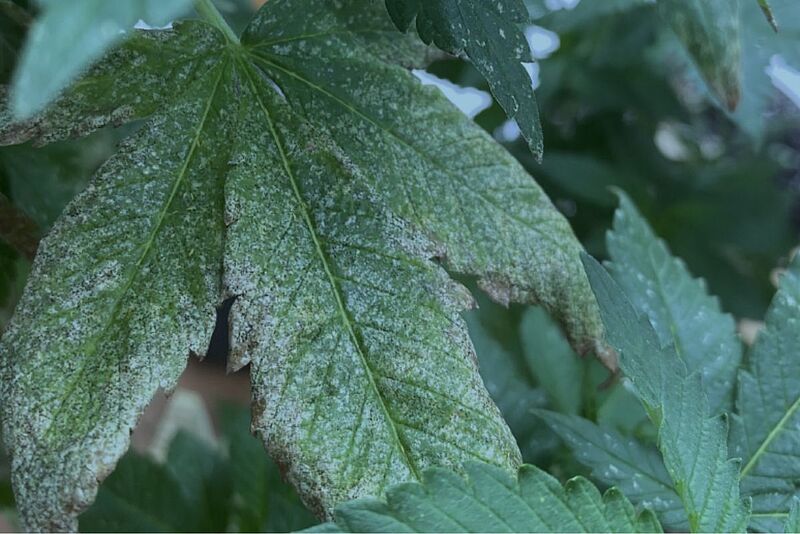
[[678, 306], [139, 496], [692, 442], [70, 36], [637, 470], [491, 500], [431, 165], [766, 428], [205, 482], [709, 30], [489, 34], [191, 492], [513, 387]]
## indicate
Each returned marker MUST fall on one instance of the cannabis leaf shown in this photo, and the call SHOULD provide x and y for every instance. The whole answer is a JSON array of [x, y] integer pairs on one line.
[[765, 430], [709, 30], [188, 493], [691, 440], [277, 171], [490, 500], [70, 36], [624, 462], [489, 34], [679, 308]]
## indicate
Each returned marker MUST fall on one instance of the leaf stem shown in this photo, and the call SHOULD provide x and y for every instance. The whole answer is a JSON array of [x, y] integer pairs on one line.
[[209, 12]]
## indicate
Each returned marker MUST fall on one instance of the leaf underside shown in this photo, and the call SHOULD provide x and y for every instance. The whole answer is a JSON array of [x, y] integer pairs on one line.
[[491, 500], [310, 176]]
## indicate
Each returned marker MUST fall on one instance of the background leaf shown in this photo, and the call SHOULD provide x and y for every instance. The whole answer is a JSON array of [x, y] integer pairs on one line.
[[709, 29]]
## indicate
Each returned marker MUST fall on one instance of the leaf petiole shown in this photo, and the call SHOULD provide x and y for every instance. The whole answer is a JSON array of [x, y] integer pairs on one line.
[[209, 12]]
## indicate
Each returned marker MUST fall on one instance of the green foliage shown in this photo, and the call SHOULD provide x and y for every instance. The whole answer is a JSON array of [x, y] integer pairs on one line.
[[765, 428], [677, 306], [231, 488], [490, 36], [70, 36], [634, 468], [490, 500], [293, 169], [691, 440], [709, 29]]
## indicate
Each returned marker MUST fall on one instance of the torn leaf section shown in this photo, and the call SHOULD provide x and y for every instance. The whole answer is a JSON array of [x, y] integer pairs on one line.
[[122, 290], [433, 167], [362, 370]]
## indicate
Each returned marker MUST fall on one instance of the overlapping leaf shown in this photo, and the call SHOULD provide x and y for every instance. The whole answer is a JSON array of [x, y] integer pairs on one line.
[[766, 428], [691, 440], [489, 34], [276, 171], [70, 36], [678, 306], [491, 500]]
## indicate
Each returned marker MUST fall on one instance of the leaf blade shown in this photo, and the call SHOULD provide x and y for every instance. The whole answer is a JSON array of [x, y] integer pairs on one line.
[[139, 200], [492, 501], [677, 305], [467, 207], [674, 399], [358, 322], [764, 431]]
